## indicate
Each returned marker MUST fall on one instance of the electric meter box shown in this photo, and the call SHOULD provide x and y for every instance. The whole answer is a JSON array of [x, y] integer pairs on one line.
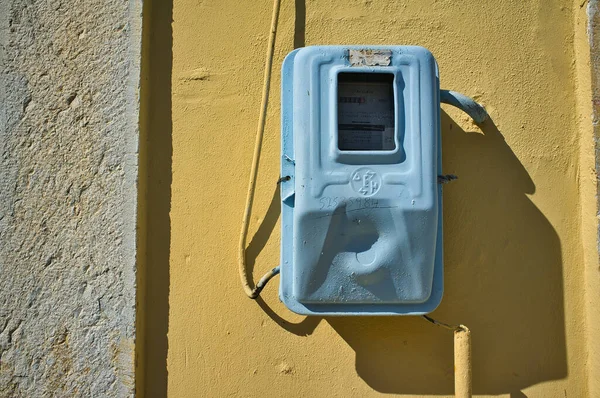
[[361, 209]]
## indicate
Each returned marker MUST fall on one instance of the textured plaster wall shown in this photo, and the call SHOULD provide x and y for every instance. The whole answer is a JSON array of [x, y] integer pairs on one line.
[[514, 235], [590, 164], [68, 168]]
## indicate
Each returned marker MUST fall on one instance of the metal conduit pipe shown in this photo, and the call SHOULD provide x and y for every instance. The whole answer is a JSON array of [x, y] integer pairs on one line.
[[465, 104], [462, 363]]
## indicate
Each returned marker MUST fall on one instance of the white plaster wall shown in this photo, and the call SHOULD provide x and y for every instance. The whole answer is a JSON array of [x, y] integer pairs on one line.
[[69, 74]]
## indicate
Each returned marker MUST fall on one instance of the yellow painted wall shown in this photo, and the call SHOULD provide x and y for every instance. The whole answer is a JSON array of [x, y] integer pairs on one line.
[[514, 241]]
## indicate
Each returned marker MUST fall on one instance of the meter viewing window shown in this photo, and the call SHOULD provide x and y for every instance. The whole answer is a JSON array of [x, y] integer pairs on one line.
[[366, 119]]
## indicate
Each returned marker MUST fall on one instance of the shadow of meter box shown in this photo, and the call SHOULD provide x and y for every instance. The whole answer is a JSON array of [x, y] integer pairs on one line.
[[361, 211]]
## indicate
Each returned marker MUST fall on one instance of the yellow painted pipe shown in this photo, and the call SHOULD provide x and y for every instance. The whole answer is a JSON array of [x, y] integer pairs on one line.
[[462, 362]]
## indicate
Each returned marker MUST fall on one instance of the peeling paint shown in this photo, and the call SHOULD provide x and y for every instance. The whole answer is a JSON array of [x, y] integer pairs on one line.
[[370, 57]]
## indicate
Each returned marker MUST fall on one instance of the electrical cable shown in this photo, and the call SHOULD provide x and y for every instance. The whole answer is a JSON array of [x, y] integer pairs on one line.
[[253, 293]]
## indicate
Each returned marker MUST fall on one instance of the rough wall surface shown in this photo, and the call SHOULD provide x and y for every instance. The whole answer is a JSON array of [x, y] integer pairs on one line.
[[514, 271], [591, 155], [68, 125]]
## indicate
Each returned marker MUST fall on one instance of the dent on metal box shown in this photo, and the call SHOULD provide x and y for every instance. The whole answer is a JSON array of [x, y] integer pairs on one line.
[[361, 211]]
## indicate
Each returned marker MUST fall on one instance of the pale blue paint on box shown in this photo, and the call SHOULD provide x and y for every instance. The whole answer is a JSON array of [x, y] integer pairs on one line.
[[361, 225]]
